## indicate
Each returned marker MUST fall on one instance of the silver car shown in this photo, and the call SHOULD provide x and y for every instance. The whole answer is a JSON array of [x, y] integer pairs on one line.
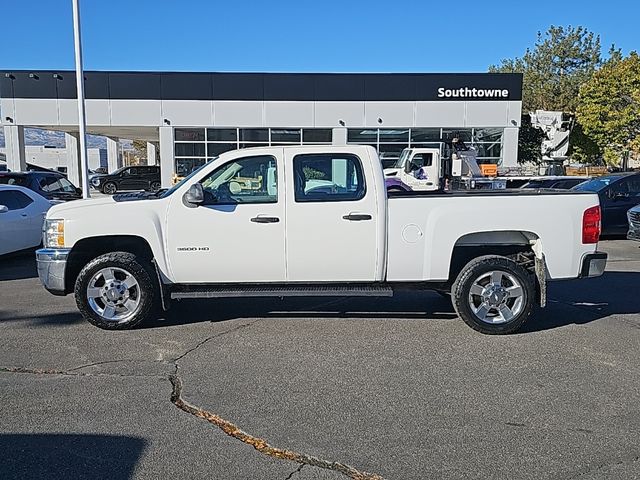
[[634, 223]]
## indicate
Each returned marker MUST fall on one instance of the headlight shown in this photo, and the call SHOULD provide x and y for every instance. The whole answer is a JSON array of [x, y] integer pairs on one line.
[[53, 233], [95, 181]]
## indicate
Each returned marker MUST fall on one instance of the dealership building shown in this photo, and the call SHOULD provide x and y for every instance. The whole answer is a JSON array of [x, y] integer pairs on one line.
[[192, 117]]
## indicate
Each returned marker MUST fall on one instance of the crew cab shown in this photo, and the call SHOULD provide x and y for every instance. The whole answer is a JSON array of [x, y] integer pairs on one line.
[[316, 221]]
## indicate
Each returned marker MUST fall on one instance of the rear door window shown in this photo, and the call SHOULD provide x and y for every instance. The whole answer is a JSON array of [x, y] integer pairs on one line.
[[328, 177], [14, 200]]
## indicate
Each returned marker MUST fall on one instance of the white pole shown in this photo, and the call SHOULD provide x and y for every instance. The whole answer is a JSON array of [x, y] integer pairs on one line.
[[77, 43]]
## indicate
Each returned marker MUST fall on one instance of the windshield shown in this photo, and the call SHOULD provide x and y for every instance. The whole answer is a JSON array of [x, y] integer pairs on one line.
[[403, 157], [177, 185], [595, 185]]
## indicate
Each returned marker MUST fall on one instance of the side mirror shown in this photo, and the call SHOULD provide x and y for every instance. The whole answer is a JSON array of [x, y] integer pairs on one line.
[[4, 209], [194, 196], [78, 191]]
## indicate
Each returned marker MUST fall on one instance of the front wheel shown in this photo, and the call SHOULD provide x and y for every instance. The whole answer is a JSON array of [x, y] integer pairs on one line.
[[155, 186], [116, 291], [494, 295], [109, 188]]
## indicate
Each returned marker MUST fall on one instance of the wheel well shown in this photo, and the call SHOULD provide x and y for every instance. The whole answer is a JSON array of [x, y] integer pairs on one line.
[[87, 249], [512, 244]]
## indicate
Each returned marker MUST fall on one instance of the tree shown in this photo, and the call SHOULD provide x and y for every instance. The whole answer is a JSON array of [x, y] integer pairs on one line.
[[529, 141], [562, 59], [609, 107], [140, 149]]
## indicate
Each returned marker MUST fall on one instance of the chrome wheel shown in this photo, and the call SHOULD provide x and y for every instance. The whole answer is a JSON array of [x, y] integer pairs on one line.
[[496, 297], [114, 294]]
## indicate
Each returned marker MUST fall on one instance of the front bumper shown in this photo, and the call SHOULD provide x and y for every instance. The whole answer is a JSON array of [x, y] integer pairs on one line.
[[634, 233], [52, 263], [593, 264]]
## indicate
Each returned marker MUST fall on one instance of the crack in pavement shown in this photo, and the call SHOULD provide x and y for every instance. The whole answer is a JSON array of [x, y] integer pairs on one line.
[[71, 373], [630, 460], [95, 364], [260, 444], [202, 342], [297, 470]]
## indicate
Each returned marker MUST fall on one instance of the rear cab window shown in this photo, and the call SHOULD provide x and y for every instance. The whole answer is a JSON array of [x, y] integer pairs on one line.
[[14, 180]]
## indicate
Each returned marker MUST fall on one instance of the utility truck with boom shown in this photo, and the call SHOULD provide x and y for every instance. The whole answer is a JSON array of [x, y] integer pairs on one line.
[[431, 169], [316, 221]]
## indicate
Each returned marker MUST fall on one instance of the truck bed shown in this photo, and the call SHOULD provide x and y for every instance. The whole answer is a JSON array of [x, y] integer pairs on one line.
[[425, 227]]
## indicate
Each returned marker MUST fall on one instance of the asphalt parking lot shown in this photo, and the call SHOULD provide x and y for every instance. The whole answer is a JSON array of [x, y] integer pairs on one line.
[[396, 388]]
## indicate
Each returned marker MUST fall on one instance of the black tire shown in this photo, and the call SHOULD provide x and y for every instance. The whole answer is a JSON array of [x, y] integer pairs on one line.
[[474, 272], [155, 186], [147, 288], [109, 188]]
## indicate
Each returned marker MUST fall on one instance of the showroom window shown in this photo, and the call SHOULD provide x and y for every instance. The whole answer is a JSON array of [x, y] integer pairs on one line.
[[195, 146], [389, 143]]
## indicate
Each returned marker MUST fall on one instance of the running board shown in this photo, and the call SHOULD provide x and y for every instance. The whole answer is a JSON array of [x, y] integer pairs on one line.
[[226, 291]]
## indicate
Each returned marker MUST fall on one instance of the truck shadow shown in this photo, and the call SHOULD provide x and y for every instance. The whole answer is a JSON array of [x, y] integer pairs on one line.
[[572, 302], [40, 455]]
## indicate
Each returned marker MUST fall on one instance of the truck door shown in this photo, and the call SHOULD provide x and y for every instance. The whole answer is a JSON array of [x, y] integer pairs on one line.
[[237, 235], [422, 170], [332, 218]]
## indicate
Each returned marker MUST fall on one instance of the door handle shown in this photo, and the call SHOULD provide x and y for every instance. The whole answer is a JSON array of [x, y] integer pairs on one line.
[[23, 214], [357, 217], [260, 219]]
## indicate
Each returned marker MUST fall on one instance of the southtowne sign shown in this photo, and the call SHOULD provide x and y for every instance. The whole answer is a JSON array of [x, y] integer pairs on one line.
[[467, 92], [318, 87]]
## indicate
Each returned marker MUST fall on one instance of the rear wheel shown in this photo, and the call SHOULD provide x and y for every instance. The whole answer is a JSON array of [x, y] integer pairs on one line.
[[494, 295], [155, 186], [116, 291]]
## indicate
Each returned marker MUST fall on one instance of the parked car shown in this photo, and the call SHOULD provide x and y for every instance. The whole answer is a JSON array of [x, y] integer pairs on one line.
[[99, 172], [633, 215], [561, 183], [618, 193], [257, 222], [129, 178], [22, 213], [51, 185]]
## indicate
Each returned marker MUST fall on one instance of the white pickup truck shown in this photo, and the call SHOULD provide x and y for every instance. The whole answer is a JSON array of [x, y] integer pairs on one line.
[[316, 221]]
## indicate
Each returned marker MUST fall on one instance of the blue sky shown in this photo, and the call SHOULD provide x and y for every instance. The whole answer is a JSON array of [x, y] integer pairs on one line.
[[297, 36]]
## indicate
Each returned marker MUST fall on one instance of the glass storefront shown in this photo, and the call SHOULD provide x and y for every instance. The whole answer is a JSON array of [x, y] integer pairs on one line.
[[195, 146], [390, 142]]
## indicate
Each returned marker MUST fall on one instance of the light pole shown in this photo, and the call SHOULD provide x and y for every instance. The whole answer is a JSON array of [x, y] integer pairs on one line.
[[77, 43]]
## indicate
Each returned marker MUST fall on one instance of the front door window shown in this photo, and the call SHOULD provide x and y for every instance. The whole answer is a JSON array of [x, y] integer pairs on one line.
[[245, 180]]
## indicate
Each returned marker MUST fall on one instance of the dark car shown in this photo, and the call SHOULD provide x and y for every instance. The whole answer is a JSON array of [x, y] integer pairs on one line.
[[129, 178], [51, 185], [559, 183], [618, 193]]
